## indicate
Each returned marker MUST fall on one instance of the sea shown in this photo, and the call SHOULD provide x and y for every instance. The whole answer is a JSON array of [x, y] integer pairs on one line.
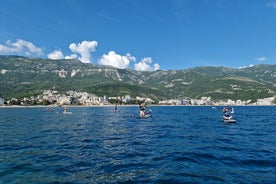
[[178, 144]]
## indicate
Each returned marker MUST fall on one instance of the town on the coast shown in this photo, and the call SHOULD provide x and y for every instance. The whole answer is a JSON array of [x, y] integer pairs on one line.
[[52, 97]]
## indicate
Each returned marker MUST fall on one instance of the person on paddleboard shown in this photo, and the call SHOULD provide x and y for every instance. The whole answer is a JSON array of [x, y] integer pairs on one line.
[[142, 107], [227, 113], [65, 109]]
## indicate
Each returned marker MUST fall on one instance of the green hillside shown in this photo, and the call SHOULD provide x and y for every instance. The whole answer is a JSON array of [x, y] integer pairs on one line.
[[23, 77]]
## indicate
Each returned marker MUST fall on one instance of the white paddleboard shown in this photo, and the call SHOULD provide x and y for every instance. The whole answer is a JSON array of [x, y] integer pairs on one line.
[[229, 121]]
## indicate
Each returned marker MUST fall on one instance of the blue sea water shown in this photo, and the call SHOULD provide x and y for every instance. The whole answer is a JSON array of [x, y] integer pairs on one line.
[[178, 144]]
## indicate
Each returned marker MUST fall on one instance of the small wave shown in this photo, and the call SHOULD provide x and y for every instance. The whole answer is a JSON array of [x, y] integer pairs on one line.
[[258, 163], [186, 159]]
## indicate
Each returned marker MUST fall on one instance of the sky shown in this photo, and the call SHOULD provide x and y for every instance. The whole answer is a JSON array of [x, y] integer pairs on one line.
[[144, 35]]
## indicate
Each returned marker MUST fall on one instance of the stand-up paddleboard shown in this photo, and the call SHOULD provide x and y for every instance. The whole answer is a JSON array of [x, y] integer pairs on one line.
[[229, 121], [67, 112], [146, 116]]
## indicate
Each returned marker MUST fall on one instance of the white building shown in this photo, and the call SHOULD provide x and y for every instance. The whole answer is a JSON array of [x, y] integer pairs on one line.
[[127, 98], [2, 101]]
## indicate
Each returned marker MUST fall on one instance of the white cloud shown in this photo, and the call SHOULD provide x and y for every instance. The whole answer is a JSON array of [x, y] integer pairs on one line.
[[130, 57], [56, 54], [116, 60], [145, 65], [261, 58], [242, 67], [156, 67], [20, 47], [81, 51], [72, 56], [271, 4], [84, 49]]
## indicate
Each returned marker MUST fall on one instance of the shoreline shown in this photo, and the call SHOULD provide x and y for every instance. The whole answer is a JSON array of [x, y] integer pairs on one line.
[[132, 105]]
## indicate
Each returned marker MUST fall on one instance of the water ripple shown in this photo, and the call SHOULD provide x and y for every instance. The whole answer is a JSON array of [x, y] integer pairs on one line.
[[176, 145]]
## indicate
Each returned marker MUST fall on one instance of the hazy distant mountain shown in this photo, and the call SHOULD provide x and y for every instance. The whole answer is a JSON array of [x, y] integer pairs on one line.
[[21, 76]]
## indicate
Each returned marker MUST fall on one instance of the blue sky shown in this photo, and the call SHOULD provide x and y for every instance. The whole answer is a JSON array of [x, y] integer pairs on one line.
[[142, 34]]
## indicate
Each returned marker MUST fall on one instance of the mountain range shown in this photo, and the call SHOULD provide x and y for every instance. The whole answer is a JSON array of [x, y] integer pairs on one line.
[[23, 77]]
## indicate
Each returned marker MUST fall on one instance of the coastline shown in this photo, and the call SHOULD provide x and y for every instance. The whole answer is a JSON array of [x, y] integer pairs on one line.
[[132, 105]]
